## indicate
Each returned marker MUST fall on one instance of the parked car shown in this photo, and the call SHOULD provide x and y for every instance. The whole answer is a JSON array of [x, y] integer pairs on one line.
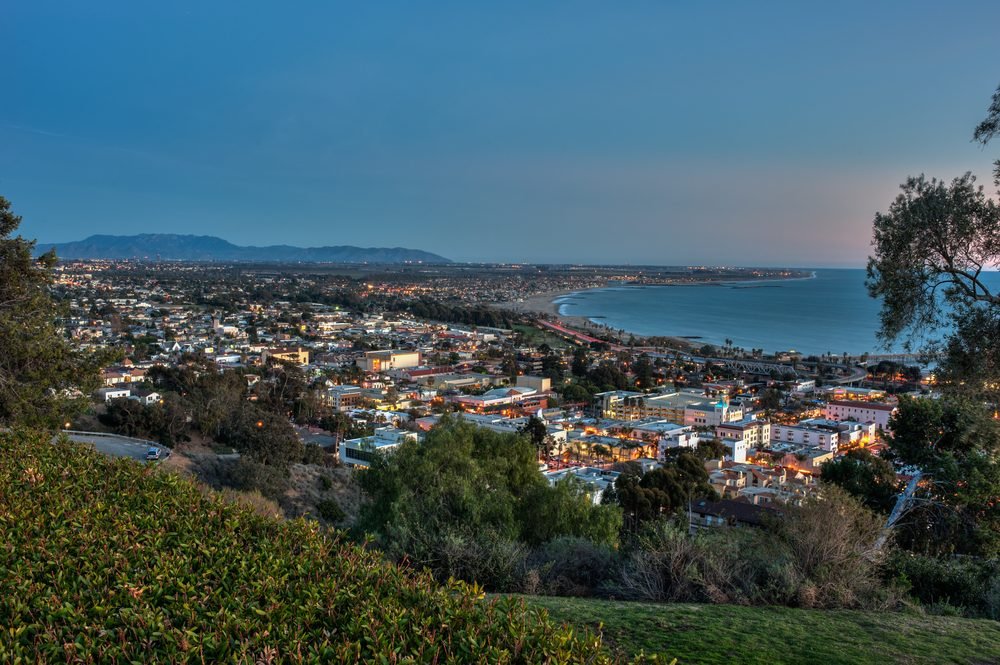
[[153, 453]]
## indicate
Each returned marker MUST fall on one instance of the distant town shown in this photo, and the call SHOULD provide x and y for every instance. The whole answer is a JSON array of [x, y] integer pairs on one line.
[[382, 353]]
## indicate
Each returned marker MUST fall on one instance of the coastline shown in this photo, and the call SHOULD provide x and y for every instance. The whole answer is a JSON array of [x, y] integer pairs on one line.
[[544, 304]]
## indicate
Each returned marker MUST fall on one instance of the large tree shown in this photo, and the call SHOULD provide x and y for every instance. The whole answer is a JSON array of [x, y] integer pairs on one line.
[[40, 373], [933, 250]]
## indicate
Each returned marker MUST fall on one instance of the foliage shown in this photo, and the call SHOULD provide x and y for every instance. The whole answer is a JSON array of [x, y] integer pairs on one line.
[[330, 511], [538, 432], [820, 554], [661, 491], [957, 444], [570, 566], [989, 128], [565, 509], [867, 477], [115, 561], [970, 584], [931, 250], [38, 367], [465, 482], [165, 422]]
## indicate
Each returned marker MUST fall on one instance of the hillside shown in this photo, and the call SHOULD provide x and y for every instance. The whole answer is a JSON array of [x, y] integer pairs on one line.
[[173, 247], [112, 561], [780, 635]]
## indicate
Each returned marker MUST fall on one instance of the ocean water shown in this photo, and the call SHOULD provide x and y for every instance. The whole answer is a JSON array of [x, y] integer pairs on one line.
[[830, 313]]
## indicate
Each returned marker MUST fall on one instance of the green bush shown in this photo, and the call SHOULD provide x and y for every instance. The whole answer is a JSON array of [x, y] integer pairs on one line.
[[967, 583], [820, 554], [113, 561], [571, 566], [330, 511], [246, 475]]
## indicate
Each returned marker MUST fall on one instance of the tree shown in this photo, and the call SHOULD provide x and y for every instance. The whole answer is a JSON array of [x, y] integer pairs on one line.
[[932, 249], [469, 486], [957, 445], [989, 129], [643, 370], [39, 369], [662, 491], [866, 477], [538, 433]]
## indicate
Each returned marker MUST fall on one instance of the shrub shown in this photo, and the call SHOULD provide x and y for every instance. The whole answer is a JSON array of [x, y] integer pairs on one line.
[[113, 561], [569, 566], [247, 476], [330, 511], [968, 583], [818, 555]]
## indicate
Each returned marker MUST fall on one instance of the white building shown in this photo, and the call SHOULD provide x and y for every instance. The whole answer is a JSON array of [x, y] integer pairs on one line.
[[362, 452], [862, 412], [594, 480], [383, 361], [108, 394], [817, 437]]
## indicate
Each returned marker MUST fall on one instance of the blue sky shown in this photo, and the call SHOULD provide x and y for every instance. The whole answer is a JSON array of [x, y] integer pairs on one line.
[[666, 132]]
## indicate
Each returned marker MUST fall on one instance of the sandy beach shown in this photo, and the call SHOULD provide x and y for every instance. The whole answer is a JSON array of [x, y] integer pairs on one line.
[[544, 304]]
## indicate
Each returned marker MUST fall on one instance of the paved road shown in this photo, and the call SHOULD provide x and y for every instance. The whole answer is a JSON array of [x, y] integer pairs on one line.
[[117, 446]]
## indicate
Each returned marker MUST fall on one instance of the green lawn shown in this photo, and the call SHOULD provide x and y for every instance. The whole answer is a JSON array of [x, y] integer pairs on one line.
[[537, 337], [773, 635]]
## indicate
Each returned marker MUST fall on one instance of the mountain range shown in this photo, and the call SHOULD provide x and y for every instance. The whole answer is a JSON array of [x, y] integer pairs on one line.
[[174, 247]]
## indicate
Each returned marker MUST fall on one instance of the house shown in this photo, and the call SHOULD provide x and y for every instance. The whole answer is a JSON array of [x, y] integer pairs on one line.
[[707, 514], [361, 452], [108, 394], [593, 480]]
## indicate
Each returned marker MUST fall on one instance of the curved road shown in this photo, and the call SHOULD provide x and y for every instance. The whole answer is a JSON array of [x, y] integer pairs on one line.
[[114, 445]]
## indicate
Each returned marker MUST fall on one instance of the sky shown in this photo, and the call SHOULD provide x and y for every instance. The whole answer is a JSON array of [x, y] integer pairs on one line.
[[668, 132]]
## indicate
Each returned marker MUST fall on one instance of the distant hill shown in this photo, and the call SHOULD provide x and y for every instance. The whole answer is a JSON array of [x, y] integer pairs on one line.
[[174, 247]]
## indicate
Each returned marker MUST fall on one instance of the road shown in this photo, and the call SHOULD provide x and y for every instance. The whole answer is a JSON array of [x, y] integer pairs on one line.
[[116, 446]]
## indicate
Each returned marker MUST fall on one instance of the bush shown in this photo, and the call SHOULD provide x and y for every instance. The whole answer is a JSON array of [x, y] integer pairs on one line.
[[487, 558], [113, 561], [818, 555], [330, 511], [967, 583], [246, 475], [569, 567]]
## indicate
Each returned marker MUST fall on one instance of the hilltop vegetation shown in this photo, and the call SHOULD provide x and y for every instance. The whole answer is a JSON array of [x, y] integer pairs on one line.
[[107, 560], [724, 634]]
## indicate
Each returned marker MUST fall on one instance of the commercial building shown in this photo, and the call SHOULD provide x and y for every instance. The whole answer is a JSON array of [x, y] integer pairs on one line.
[[383, 361], [298, 356], [690, 408], [344, 398], [862, 412], [826, 438]]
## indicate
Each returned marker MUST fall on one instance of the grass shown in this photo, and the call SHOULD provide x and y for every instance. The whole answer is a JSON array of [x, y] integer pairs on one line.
[[773, 635], [536, 337]]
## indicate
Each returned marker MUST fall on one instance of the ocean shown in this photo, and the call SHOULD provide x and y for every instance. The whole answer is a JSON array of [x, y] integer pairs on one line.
[[830, 313]]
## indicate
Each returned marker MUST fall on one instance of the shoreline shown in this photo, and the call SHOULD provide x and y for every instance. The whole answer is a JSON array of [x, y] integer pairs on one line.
[[544, 304]]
